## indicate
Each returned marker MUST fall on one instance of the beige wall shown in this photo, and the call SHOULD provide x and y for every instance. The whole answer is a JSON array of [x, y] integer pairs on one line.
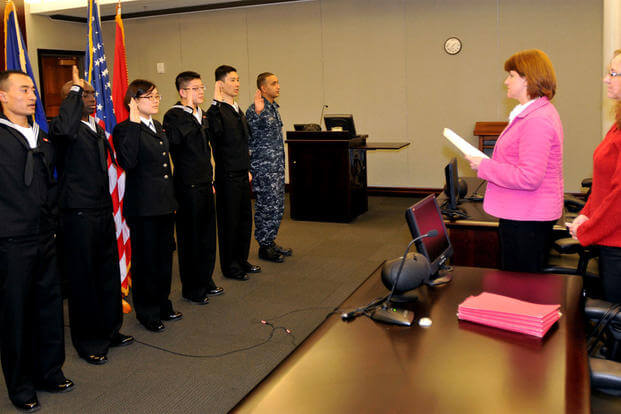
[[383, 62], [44, 33]]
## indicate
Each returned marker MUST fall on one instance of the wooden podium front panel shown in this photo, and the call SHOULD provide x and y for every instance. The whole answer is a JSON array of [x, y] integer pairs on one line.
[[319, 178], [327, 179]]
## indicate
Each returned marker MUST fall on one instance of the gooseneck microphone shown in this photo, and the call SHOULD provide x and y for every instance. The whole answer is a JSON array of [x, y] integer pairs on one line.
[[388, 314], [383, 313], [323, 108], [430, 233]]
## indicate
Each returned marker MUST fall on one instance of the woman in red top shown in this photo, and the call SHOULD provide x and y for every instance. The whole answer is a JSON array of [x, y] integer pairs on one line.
[[600, 221]]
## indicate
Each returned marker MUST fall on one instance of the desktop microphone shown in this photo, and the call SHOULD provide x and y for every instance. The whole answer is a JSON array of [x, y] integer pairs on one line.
[[383, 313], [430, 233], [323, 108], [401, 316]]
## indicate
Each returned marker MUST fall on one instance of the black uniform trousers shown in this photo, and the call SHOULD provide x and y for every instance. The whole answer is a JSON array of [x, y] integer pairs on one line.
[[152, 244], [91, 262], [32, 341], [524, 245], [610, 272], [234, 220], [196, 239]]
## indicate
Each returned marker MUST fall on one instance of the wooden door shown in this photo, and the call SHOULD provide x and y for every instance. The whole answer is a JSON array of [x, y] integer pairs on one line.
[[54, 70]]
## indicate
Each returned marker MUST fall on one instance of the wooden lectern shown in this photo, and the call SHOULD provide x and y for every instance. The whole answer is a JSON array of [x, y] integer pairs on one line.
[[488, 133]]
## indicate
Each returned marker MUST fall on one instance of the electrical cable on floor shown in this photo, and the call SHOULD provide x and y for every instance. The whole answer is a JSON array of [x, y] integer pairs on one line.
[[273, 327], [234, 351]]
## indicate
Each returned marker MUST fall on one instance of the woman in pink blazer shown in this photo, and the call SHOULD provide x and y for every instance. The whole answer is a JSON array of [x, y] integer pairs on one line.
[[525, 173]]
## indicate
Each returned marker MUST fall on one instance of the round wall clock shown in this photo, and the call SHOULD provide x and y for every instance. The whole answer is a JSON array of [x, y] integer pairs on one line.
[[452, 45]]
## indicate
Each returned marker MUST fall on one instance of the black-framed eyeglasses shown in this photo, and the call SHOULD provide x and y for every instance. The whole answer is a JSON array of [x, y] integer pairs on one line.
[[152, 98]]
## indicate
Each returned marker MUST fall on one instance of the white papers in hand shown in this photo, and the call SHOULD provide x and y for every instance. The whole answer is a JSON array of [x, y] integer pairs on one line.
[[463, 145]]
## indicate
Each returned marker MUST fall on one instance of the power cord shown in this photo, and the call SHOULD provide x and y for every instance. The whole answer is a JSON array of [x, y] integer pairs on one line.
[[348, 316], [234, 351]]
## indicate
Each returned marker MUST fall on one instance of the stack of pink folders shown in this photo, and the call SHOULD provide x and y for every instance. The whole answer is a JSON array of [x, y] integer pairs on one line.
[[508, 313]]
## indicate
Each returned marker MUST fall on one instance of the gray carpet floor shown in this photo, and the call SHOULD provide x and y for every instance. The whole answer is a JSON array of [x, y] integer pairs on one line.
[[208, 361]]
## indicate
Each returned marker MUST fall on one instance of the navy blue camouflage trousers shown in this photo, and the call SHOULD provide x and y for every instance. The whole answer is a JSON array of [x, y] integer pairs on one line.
[[269, 206]]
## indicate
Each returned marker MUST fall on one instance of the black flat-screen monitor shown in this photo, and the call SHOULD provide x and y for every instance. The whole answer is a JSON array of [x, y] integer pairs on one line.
[[423, 217], [340, 121], [451, 188]]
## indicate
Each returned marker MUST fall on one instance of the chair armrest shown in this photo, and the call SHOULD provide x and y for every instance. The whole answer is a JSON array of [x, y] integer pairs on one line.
[[572, 203], [567, 245], [605, 375], [587, 182], [595, 309]]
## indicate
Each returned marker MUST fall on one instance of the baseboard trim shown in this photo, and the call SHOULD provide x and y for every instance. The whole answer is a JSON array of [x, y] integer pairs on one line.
[[402, 191], [410, 191]]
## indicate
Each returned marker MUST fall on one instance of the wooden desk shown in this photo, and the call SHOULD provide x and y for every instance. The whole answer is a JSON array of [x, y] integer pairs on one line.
[[475, 239], [451, 367], [389, 146]]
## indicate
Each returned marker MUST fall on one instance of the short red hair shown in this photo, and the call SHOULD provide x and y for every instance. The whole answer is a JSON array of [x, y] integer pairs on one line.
[[536, 67]]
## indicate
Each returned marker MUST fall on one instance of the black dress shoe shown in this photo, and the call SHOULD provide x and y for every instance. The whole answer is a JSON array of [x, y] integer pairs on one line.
[[237, 276], [153, 326], [29, 406], [285, 251], [270, 253], [121, 340], [250, 268], [215, 291], [197, 301], [63, 386], [171, 316], [95, 359]]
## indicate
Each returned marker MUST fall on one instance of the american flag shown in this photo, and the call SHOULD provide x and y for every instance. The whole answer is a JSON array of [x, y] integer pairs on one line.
[[97, 75]]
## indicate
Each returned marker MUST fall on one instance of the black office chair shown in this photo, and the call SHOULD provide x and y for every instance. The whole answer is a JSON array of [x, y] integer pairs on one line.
[[604, 345], [565, 245]]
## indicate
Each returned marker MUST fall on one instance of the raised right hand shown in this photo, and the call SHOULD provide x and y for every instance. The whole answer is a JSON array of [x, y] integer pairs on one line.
[[75, 77], [189, 98], [217, 92], [259, 104], [134, 114]]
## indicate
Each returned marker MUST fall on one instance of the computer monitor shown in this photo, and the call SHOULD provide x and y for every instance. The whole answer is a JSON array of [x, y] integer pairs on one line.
[[423, 217], [451, 188], [343, 122]]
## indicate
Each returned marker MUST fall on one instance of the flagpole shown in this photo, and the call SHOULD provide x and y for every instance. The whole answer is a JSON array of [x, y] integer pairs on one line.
[[90, 42]]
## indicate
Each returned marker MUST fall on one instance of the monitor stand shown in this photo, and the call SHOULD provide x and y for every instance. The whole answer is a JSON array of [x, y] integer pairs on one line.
[[443, 276]]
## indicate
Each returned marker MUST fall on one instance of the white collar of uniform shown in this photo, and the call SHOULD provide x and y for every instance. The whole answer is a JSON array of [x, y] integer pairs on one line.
[[519, 108], [91, 123], [198, 114], [234, 105], [149, 123], [30, 133]]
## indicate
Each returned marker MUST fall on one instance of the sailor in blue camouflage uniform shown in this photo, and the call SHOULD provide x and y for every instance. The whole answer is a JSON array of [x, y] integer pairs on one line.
[[267, 165]]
